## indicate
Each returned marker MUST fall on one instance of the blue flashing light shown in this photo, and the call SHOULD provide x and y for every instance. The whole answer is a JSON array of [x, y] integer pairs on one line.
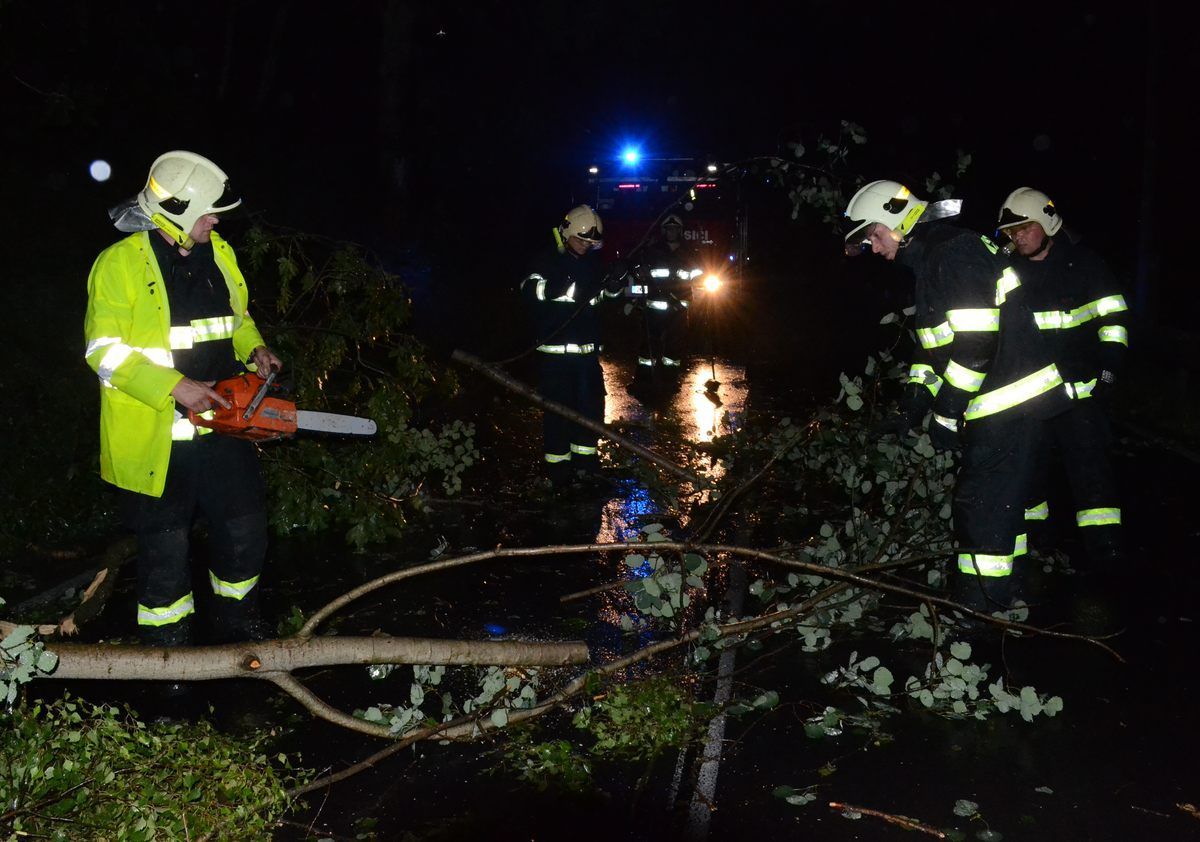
[[495, 629], [631, 155]]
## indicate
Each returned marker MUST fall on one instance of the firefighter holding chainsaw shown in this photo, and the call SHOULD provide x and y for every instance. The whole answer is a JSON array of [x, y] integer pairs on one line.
[[166, 318]]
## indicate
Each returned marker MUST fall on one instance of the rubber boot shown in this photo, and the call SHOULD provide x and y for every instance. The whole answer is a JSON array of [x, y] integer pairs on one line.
[[170, 702]]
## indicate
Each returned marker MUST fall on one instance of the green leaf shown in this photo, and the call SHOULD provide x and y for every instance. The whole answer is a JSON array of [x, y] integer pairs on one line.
[[767, 700], [499, 717], [965, 808], [961, 650]]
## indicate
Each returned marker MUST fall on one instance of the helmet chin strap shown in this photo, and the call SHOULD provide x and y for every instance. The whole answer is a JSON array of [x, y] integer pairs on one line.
[[182, 238]]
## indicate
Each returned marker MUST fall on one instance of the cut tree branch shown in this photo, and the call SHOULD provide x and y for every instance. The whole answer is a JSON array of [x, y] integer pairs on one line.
[[600, 429]]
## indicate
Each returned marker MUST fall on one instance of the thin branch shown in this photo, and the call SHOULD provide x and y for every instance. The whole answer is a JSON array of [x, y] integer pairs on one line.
[[900, 821], [846, 575]]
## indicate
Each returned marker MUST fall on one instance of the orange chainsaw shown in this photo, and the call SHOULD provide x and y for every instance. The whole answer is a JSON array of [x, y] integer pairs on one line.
[[254, 414]]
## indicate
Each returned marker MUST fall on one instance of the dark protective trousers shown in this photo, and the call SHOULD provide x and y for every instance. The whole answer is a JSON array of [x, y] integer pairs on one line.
[[1082, 439], [576, 382], [219, 477], [994, 473], [661, 348]]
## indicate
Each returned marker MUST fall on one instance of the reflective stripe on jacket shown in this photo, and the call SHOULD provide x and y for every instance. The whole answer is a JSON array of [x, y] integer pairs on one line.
[[981, 353], [127, 331]]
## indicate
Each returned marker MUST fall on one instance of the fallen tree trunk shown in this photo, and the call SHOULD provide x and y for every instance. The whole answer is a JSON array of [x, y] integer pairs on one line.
[[266, 658], [514, 385]]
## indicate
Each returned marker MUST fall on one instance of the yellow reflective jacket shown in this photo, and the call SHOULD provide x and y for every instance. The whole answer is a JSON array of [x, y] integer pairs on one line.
[[127, 330]]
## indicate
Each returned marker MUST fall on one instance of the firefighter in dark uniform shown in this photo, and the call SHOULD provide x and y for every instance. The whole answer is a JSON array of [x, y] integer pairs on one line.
[[166, 318], [981, 368], [1081, 313], [566, 284], [667, 271]]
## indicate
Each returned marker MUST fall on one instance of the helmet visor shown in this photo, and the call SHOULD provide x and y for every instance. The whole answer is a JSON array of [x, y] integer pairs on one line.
[[858, 240], [227, 201], [591, 236], [1009, 219]]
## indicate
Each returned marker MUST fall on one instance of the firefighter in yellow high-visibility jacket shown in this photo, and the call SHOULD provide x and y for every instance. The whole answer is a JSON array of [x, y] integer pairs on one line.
[[166, 318]]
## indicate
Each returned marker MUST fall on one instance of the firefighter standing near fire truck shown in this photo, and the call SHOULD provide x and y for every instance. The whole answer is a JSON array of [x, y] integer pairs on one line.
[[564, 288], [166, 317], [663, 292], [1081, 314], [981, 369]]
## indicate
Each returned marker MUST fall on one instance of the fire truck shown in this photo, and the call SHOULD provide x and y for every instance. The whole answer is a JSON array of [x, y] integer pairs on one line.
[[633, 195]]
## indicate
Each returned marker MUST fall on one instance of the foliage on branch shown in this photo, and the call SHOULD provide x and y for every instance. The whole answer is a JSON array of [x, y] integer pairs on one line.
[[73, 770], [339, 321]]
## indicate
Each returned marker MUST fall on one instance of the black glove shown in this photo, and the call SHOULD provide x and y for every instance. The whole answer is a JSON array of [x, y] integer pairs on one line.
[[1106, 383], [942, 437], [614, 279], [896, 424]]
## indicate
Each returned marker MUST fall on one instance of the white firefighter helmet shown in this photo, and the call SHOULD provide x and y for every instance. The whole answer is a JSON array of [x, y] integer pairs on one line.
[[889, 203], [584, 223], [183, 187], [1028, 205]]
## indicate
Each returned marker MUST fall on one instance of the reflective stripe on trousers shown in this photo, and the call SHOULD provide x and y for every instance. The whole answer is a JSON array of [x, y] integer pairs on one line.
[[988, 565], [1098, 517], [167, 614]]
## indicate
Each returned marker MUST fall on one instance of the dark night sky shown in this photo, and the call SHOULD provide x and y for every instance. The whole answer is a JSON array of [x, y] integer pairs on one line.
[[490, 110]]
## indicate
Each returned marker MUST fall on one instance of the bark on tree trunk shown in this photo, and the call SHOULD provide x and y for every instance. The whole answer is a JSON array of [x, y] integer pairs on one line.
[[269, 658]]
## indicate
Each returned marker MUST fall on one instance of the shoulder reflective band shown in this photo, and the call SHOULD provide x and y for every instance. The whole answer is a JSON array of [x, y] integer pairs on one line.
[[670, 361], [964, 378], [1108, 304], [233, 590], [1006, 397], [1039, 512], [584, 449], [695, 273], [570, 348], [974, 319], [1115, 333], [555, 458], [1007, 282], [660, 273], [168, 614], [685, 303], [1098, 517], [645, 361], [683, 274], [935, 337], [1081, 389], [925, 376], [985, 565], [948, 423], [989, 245], [657, 304], [1021, 545]]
